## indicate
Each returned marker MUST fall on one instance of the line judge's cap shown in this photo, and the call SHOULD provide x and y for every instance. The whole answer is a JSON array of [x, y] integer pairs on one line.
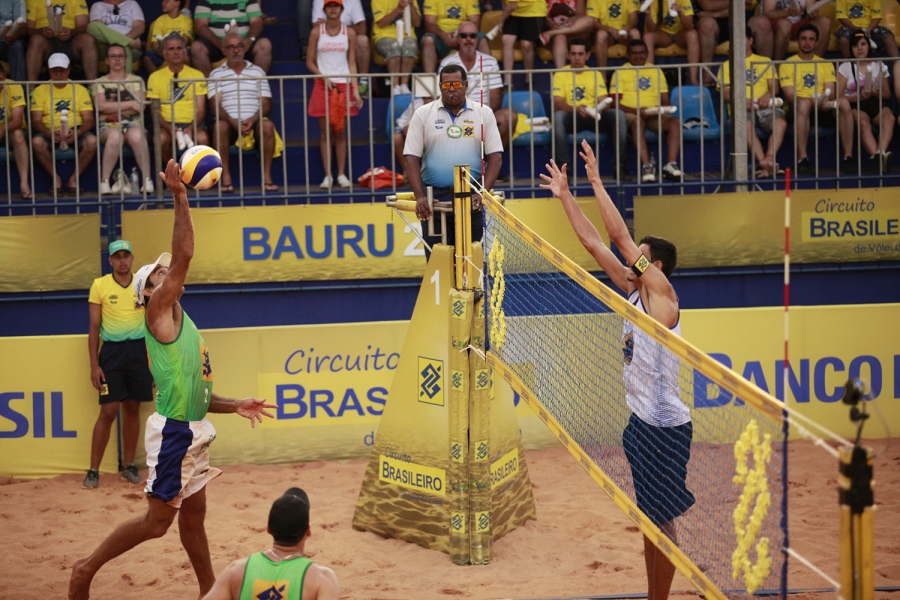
[[327, 2], [120, 245], [140, 280], [58, 60], [289, 517]]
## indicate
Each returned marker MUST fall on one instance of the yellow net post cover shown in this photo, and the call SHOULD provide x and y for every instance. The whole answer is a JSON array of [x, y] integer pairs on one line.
[[857, 535]]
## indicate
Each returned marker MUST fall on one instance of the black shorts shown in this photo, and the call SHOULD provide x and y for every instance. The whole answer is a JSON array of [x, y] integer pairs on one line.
[[527, 29], [658, 457], [127, 372], [215, 54]]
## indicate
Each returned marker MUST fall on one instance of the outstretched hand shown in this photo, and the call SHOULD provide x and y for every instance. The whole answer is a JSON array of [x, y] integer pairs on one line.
[[172, 177], [590, 162], [557, 181], [254, 409]]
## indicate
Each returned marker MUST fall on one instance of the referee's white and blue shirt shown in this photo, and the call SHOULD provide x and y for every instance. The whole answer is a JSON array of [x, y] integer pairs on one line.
[[441, 140]]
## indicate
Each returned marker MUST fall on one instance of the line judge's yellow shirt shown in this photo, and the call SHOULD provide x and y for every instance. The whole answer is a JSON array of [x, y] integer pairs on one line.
[[36, 10], [644, 85], [159, 87], [451, 13], [381, 9], [581, 90], [671, 25], [612, 13], [808, 79], [760, 73], [859, 12], [11, 96], [530, 8], [75, 101]]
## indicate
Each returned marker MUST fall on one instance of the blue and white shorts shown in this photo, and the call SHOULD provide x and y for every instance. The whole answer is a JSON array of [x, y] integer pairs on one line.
[[178, 457]]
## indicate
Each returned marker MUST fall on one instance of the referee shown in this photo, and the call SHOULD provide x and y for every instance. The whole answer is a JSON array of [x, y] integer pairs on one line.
[[446, 133], [119, 370]]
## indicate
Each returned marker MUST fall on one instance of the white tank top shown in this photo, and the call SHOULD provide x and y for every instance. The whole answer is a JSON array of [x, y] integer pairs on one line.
[[331, 54], [651, 375]]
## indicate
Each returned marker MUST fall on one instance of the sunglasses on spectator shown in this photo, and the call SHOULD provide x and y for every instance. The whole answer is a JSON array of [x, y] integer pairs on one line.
[[452, 84], [467, 36]]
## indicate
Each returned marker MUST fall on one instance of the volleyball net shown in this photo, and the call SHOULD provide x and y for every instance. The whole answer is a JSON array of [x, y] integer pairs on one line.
[[558, 337]]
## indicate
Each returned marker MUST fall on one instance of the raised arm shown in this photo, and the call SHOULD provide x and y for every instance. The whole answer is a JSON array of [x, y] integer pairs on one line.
[[182, 250]]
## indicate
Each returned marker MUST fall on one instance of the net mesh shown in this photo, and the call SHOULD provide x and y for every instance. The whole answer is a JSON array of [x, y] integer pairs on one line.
[[566, 348]]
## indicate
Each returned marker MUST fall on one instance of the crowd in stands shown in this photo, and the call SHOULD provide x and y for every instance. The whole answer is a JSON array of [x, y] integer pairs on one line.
[[223, 40]]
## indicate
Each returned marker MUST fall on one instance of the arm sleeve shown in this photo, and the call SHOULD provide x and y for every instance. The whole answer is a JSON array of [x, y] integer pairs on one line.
[[492, 142], [415, 145], [94, 295]]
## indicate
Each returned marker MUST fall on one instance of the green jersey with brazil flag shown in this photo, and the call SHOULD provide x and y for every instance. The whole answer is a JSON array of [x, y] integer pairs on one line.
[[182, 373]]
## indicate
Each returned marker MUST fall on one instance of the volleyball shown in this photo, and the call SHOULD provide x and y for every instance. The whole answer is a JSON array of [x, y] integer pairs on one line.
[[201, 167]]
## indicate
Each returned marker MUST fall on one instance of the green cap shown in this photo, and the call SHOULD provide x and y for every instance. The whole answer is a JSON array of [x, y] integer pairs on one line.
[[120, 245]]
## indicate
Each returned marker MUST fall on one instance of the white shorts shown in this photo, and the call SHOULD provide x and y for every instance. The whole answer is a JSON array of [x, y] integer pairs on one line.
[[178, 457]]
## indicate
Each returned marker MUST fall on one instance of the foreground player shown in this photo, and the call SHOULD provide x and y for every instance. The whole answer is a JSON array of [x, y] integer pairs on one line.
[[657, 440], [282, 571], [177, 435]]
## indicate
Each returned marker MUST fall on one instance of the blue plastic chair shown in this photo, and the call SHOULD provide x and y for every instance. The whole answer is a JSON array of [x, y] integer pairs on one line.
[[401, 103], [689, 99], [524, 103]]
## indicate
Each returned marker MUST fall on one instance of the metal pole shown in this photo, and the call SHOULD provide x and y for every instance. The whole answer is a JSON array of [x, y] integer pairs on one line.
[[739, 93]]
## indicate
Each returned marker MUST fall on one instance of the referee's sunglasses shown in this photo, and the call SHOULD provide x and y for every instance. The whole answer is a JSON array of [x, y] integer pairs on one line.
[[452, 84]]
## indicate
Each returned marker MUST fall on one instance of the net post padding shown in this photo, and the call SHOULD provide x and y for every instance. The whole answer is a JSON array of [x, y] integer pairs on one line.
[[857, 532]]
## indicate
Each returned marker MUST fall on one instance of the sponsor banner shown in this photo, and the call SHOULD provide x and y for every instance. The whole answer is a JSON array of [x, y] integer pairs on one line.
[[748, 229], [316, 242], [54, 252], [331, 384]]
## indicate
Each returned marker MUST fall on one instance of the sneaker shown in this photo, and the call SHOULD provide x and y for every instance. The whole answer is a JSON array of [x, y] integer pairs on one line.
[[92, 480], [671, 171], [804, 167], [397, 90], [131, 475], [104, 187], [887, 159], [343, 181], [848, 166], [647, 174], [148, 186], [404, 89], [326, 183]]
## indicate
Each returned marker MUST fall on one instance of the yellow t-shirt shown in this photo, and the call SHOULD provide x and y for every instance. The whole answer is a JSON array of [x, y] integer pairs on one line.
[[163, 26], [159, 87], [121, 317], [380, 9], [612, 13], [759, 78], [581, 90], [530, 8], [11, 96], [36, 10], [646, 83], [63, 99], [451, 13], [810, 77], [671, 25], [860, 12]]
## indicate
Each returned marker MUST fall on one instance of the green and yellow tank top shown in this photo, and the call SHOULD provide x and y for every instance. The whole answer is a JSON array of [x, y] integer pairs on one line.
[[265, 578], [182, 373]]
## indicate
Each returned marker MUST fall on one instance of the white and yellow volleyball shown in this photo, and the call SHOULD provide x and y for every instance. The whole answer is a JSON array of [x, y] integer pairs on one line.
[[201, 167]]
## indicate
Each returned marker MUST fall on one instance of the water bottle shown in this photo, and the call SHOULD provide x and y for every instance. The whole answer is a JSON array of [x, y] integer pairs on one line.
[[135, 180]]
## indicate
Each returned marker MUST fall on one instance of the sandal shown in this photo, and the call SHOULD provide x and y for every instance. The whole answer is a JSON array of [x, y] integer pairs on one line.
[[271, 187], [27, 196], [226, 188]]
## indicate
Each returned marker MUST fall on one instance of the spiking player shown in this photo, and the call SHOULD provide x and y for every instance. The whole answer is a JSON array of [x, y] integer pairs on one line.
[[657, 439]]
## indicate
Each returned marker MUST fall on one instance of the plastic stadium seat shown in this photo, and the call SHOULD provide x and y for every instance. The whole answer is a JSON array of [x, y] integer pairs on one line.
[[401, 103], [691, 100], [528, 104]]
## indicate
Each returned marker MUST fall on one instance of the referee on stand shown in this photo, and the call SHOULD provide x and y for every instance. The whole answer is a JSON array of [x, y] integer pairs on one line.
[[119, 370], [446, 133]]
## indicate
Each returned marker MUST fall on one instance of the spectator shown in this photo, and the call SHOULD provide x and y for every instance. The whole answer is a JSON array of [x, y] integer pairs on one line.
[[182, 104], [477, 63], [713, 29], [401, 126], [662, 29], [47, 105], [442, 21], [118, 22], [522, 21], [332, 47], [119, 98], [240, 109], [609, 18], [353, 17], [762, 88], [400, 57], [12, 124], [12, 47], [72, 38], [643, 91], [865, 98], [576, 89], [212, 17], [866, 15], [173, 20], [803, 83], [787, 17]]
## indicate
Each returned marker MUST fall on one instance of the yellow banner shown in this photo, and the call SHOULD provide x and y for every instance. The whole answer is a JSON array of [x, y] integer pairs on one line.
[[315, 242], [331, 384], [54, 252], [748, 229]]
